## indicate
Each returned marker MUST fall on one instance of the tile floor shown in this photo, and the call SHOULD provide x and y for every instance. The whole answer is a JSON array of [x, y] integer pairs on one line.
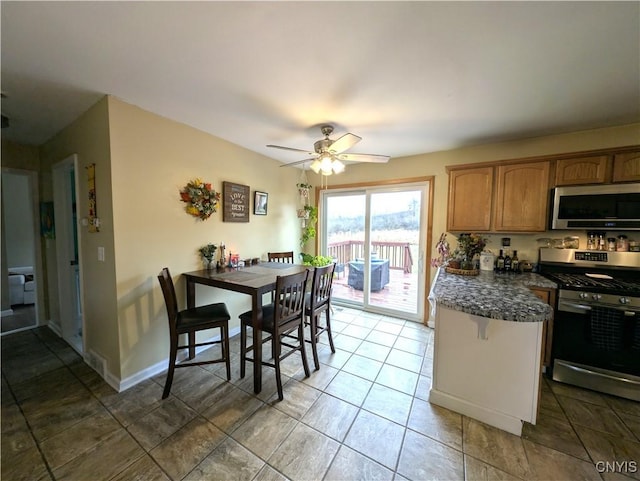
[[363, 416]]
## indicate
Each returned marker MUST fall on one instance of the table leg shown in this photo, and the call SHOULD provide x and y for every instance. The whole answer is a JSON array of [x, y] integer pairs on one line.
[[191, 302], [256, 309], [191, 294]]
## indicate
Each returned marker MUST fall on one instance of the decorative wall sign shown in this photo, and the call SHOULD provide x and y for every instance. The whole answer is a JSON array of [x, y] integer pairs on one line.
[[94, 225], [260, 203], [236, 202]]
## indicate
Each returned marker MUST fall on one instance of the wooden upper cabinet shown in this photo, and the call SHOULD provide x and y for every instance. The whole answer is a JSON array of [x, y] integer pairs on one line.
[[470, 192], [521, 197], [626, 167], [583, 170]]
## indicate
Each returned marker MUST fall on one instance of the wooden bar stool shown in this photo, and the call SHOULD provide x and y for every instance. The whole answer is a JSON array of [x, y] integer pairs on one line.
[[280, 319], [190, 321]]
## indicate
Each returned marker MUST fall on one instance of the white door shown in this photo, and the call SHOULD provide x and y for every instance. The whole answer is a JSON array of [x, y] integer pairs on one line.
[[377, 235], [67, 252]]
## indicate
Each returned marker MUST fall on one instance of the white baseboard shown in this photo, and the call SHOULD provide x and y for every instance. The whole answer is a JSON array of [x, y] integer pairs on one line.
[[55, 327], [157, 368], [485, 415]]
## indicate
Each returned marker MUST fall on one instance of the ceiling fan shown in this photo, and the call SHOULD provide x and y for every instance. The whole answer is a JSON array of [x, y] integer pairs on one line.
[[328, 154]]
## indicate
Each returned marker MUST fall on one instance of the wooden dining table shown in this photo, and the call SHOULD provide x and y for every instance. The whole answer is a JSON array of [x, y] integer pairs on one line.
[[255, 280]]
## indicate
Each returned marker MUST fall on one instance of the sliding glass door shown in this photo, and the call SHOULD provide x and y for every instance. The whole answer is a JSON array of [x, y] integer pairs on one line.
[[377, 236]]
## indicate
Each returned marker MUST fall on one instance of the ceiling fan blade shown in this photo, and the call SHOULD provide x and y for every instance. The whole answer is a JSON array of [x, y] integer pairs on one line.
[[290, 164], [290, 148], [381, 159], [345, 142]]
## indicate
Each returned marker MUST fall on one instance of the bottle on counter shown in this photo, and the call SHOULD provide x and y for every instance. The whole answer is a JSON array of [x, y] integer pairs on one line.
[[592, 243], [500, 262], [507, 262], [515, 262], [611, 244]]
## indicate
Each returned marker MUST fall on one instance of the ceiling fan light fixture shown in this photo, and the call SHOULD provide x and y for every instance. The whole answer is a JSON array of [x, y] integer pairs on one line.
[[326, 163], [315, 166], [337, 166]]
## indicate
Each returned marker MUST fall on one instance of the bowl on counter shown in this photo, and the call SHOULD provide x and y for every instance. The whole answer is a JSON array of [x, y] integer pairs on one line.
[[571, 242]]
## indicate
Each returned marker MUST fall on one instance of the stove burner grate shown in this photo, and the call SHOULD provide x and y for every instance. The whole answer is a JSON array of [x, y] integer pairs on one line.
[[582, 281]]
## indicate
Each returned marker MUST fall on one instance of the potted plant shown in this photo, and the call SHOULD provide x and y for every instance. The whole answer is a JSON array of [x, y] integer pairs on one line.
[[208, 252], [308, 229], [315, 261], [303, 189], [443, 252]]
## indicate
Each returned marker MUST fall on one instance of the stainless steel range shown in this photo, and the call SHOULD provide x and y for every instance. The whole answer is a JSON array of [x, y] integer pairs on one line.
[[596, 332]]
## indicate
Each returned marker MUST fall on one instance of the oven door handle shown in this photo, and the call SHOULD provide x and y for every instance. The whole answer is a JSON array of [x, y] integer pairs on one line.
[[584, 307]]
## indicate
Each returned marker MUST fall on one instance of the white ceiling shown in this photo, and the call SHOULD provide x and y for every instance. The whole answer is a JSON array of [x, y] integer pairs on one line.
[[408, 77]]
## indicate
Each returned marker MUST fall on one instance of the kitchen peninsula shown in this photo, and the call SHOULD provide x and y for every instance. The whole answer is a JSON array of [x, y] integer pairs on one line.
[[488, 342]]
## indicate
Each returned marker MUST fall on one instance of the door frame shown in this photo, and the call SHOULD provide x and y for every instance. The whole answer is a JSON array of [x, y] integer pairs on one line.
[[68, 300], [427, 219]]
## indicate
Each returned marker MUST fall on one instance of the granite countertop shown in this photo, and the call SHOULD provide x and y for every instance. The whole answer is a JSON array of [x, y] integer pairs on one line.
[[496, 296]]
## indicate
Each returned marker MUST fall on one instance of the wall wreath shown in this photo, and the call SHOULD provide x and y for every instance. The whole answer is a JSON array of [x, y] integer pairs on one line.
[[201, 199]]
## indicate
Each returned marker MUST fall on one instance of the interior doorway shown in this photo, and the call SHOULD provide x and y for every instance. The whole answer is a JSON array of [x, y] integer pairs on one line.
[[21, 249], [69, 267], [377, 235]]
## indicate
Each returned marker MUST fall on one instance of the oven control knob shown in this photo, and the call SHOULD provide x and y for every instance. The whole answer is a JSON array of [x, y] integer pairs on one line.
[[625, 300], [596, 297], [583, 295]]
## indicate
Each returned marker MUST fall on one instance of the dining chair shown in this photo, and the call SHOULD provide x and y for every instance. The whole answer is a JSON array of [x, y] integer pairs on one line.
[[286, 257], [317, 301], [188, 322], [280, 319]]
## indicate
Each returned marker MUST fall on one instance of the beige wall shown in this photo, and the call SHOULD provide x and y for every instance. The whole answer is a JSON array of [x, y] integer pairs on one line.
[[152, 158], [88, 137]]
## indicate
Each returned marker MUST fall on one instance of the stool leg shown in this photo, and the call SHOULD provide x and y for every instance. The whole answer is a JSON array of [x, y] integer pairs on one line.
[[276, 363], [225, 350], [328, 329], [172, 365], [314, 340], [192, 346], [303, 351]]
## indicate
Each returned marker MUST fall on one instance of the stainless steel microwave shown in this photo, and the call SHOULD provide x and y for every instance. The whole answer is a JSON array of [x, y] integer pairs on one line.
[[606, 207]]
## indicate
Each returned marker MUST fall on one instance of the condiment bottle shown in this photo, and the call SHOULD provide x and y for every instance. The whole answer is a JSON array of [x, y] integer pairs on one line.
[[611, 244], [591, 241], [622, 244], [601, 241]]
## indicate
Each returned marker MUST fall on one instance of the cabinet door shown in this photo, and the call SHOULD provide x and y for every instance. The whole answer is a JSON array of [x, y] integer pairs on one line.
[[584, 170], [470, 199], [626, 167], [548, 296], [522, 197]]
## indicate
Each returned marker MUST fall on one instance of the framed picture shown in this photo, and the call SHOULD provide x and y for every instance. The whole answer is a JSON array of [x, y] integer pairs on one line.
[[260, 203], [235, 202], [47, 225]]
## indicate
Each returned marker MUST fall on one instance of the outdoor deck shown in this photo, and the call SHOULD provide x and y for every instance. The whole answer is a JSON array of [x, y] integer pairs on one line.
[[400, 294]]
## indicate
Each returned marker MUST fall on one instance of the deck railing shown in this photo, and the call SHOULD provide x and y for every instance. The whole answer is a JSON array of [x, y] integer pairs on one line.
[[398, 253]]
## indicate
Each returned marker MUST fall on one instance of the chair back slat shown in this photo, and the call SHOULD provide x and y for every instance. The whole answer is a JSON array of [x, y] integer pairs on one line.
[[321, 286], [290, 291], [286, 257], [169, 293]]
